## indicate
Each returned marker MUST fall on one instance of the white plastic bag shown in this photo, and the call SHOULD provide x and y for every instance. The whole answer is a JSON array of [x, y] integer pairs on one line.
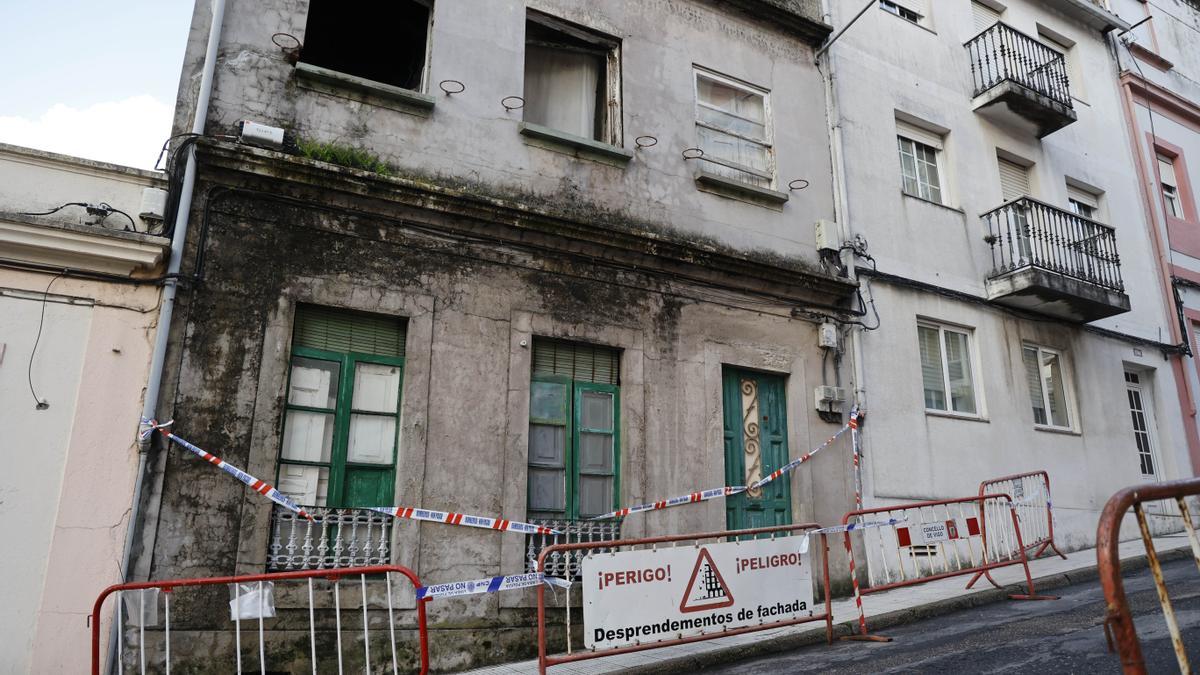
[[141, 607], [252, 600]]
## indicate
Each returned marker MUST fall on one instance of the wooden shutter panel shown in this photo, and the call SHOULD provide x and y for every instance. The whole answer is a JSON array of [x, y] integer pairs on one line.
[[984, 16], [346, 331], [1014, 180], [580, 362]]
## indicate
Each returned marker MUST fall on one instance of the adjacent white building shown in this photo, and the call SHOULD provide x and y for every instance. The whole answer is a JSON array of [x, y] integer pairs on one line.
[[1022, 322]]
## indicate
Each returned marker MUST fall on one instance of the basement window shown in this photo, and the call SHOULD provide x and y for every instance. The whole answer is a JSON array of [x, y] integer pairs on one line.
[[572, 79], [382, 42]]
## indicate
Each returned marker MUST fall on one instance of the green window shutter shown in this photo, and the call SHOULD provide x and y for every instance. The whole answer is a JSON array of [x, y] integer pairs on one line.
[[579, 362], [343, 331]]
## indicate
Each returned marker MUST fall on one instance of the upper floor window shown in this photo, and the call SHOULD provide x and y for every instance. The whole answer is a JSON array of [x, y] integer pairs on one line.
[[342, 410], [572, 79], [1014, 179], [733, 128], [946, 368], [984, 16], [900, 11], [920, 162], [1170, 186], [1083, 203], [574, 430], [1047, 387], [384, 42]]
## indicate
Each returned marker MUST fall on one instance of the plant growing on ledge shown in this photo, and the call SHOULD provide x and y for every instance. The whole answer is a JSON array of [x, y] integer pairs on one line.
[[343, 155]]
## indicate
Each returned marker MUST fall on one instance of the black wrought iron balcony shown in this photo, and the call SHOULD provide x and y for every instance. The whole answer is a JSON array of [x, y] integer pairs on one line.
[[1054, 262], [1014, 74]]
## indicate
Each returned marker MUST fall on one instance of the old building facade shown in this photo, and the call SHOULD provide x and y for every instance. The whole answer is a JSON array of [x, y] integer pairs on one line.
[[576, 259], [545, 259]]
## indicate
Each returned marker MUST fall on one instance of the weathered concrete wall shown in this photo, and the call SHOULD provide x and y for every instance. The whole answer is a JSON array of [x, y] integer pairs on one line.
[[469, 305]]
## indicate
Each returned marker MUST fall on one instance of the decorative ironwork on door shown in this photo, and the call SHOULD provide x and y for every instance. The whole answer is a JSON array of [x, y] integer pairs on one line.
[[751, 443]]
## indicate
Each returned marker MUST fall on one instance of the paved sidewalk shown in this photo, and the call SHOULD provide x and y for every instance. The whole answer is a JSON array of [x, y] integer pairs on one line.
[[885, 609]]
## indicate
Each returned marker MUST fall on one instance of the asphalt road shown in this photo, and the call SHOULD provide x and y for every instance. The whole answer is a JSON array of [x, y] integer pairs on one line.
[[1057, 636]]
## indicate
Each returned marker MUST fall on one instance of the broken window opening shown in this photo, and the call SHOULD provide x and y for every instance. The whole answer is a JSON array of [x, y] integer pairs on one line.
[[572, 79], [385, 42]]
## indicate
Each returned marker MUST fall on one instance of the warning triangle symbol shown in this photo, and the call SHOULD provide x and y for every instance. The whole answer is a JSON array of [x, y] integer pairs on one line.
[[707, 588]]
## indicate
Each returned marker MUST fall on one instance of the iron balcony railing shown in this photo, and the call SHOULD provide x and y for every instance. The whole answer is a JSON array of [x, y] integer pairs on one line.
[[1028, 233], [1003, 53], [333, 538], [567, 564]]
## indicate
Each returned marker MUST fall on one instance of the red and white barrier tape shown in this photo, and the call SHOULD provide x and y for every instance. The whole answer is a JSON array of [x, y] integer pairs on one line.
[[705, 495], [690, 498], [850, 527], [852, 424], [261, 487], [452, 518]]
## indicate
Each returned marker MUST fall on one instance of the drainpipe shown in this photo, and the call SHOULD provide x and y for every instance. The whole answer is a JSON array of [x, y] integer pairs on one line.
[[841, 204], [170, 289]]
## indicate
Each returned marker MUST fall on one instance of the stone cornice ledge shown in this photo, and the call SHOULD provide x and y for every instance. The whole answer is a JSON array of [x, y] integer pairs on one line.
[[802, 18], [789, 279], [48, 242]]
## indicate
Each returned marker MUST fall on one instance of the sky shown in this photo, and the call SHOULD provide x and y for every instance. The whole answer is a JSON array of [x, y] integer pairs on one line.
[[92, 78]]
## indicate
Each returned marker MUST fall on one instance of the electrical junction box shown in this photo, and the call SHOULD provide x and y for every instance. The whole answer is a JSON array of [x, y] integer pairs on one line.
[[154, 204], [827, 335], [827, 236], [261, 135], [826, 397]]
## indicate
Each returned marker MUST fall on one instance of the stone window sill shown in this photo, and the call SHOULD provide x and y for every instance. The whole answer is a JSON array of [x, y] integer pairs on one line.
[[578, 146], [956, 416], [1066, 431], [343, 81], [736, 189], [933, 203]]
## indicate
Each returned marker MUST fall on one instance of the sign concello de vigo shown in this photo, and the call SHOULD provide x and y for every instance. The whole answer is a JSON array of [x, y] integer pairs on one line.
[[649, 595]]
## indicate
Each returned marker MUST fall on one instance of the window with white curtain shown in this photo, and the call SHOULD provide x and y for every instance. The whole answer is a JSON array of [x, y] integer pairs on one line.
[[947, 375], [572, 79], [733, 129], [1047, 386]]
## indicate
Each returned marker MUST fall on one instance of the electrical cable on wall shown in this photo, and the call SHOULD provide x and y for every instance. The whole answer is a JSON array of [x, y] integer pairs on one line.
[[41, 403], [102, 210]]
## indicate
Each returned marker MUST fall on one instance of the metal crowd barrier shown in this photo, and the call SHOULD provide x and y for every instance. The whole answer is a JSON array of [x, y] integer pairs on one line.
[[1033, 507], [545, 660], [1118, 621], [909, 544], [252, 601]]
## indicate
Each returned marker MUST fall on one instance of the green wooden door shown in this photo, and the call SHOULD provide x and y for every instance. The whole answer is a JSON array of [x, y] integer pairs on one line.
[[755, 423]]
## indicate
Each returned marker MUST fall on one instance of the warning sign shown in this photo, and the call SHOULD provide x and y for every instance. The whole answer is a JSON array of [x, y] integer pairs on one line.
[[662, 594], [707, 589]]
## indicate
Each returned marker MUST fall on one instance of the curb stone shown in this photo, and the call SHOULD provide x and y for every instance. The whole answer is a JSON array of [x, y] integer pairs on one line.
[[784, 643]]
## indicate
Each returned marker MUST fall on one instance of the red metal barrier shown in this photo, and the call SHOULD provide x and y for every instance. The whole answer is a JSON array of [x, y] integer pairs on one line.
[[950, 541], [1031, 496], [545, 660], [1118, 621], [334, 575]]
